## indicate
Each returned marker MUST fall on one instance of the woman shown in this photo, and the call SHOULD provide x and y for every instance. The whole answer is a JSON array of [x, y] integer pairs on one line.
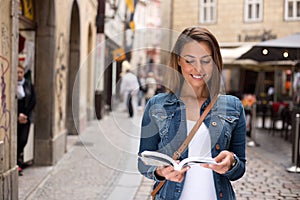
[[26, 103], [195, 79]]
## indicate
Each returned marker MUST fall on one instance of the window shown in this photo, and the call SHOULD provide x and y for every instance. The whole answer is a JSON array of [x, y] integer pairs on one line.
[[208, 11], [292, 10], [253, 10]]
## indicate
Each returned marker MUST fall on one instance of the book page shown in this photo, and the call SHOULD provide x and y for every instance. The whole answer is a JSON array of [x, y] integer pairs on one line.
[[156, 158], [196, 160]]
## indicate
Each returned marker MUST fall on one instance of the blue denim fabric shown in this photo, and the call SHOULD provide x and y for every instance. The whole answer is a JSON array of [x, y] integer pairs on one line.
[[164, 129]]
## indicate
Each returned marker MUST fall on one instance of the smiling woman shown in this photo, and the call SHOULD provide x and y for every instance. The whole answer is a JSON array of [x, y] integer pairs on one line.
[[169, 118], [196, 65]]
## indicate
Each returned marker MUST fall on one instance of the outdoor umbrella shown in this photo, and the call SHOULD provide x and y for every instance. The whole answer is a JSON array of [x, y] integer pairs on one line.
[[282, 49]]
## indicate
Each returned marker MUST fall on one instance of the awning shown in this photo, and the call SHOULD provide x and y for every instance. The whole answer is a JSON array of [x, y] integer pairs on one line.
[[230, 53], [282, 50]]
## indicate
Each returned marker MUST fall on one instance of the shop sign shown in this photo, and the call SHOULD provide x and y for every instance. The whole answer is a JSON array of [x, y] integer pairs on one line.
[[119, 54], [255, 37], [26, 9]]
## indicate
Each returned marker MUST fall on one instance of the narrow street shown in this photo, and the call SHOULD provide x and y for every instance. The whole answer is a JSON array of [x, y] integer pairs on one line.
[[101, 164]]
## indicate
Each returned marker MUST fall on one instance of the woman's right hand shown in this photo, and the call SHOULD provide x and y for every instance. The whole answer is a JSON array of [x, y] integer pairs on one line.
[[169, 173]]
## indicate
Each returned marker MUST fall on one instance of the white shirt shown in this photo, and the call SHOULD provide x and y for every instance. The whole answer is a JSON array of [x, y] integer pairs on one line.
[[199, 182], [20, 89], [129, 82]]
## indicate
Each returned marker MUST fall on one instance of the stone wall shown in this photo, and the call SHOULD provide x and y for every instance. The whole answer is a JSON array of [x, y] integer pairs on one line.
[[8, 64], [231, 26]]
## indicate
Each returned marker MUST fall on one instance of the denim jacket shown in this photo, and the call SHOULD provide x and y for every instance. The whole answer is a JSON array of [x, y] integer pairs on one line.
[[164, 129]]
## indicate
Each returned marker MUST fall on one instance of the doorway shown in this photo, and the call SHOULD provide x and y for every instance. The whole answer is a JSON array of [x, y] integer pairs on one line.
[[73, 91]]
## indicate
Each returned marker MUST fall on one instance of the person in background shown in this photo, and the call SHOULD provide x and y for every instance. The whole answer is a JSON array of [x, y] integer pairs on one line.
[[168, 117], [26, 103], [150, 85], [129, 87], [142, 90], [160, 88], [296, 88]]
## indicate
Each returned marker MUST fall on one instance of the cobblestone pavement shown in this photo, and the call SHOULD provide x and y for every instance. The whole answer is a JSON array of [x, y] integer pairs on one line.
[[101, 164]]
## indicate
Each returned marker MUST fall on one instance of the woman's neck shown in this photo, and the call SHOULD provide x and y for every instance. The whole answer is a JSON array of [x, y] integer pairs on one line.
[[198, 94]]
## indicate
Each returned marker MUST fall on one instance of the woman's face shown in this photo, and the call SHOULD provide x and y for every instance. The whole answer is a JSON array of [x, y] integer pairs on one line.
[[196, 63], [20, 73]]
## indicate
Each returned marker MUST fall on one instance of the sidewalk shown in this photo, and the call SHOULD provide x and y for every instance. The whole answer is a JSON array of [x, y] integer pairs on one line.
[[101, 164]]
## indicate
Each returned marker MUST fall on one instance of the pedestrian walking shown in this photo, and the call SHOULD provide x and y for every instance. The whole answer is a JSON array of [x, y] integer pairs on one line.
[[169, 118], [142, 90], [26, 103], [150, 85], [129, 87]]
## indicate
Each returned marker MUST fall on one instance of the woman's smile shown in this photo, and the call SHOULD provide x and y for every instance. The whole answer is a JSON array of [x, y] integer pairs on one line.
[[200, 77]]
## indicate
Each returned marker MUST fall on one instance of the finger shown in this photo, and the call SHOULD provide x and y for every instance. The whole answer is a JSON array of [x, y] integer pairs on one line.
[[178, 176], [220, 157], [182, 171], [219, 168], [175, 176], [180, 179]]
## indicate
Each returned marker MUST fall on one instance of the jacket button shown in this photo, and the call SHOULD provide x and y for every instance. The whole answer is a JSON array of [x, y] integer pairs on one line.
[[214, 123], [217, 147]]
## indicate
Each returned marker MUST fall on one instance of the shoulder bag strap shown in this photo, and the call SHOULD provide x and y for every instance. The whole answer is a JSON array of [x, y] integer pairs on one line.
[[186, 142]]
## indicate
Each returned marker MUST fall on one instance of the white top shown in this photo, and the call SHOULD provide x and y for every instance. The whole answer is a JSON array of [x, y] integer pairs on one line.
[[129, 82], [199, 182]]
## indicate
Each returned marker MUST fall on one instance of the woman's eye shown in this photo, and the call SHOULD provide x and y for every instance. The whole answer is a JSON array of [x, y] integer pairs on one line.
[[189, 61], [205, 62]]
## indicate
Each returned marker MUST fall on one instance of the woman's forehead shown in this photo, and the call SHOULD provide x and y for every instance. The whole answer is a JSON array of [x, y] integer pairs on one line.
[[196, 49]]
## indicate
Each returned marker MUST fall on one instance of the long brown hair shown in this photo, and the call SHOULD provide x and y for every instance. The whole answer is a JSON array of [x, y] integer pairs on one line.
[[199, 34]]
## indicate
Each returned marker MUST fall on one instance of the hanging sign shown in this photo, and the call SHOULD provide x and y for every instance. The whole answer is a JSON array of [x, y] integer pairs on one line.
[[119, 54], [26, 7]]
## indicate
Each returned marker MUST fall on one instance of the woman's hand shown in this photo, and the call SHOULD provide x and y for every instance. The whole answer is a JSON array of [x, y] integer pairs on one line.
[[170, 174], [224, 162]]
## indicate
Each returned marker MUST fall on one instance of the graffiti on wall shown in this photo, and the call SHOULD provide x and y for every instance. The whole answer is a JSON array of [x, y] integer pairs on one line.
[[4, 110]]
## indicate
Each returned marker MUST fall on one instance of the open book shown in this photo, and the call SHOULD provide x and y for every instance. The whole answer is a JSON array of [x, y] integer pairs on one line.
[[159, 159]]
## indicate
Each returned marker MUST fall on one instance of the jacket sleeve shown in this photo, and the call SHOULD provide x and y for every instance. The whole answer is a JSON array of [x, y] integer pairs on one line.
[[238, 146], [149, 140], [30, 101]]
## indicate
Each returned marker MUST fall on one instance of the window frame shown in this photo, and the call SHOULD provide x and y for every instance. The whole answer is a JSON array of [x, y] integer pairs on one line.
[[254, 12], [294, 16], [207, 7]]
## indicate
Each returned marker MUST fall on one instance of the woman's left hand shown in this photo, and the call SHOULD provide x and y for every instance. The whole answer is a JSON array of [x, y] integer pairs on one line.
[[224, 162]]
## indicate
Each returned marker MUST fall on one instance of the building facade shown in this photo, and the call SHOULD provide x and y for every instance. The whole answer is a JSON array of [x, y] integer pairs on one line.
[[238, 25], [129, 33], [53, 40], [239, 21]]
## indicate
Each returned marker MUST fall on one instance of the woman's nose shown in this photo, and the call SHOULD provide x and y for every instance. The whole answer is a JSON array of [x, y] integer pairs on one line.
[[198, 66]]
